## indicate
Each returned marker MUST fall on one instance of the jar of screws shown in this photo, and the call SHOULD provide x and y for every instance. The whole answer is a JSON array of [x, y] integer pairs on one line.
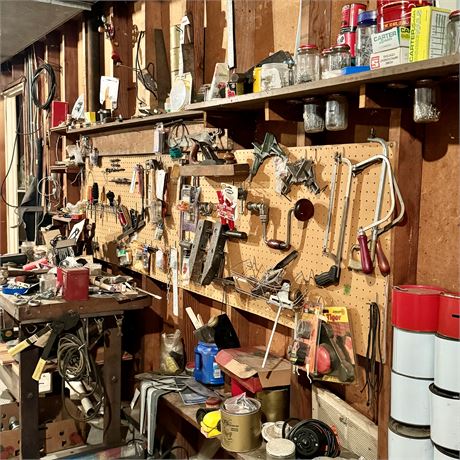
[[313, 115], [426, 102]]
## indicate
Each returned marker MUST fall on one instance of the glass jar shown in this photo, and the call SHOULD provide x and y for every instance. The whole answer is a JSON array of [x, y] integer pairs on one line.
[[324, 62], [307, 65], [367, 25], [313, 115], [453, 33], [339, 57], [425, 102], [336, 112], [274, 75]]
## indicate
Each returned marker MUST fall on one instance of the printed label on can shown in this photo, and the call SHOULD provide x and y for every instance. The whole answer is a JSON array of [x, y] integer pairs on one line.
[[217, 373]]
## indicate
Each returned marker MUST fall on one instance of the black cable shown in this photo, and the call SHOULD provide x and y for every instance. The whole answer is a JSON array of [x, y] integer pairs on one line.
[[44, 68], [169, 451], [313, 438], [373, 382]]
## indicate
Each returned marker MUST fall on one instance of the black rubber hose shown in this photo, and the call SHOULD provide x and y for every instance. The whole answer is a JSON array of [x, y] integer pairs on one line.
[[51, 86]]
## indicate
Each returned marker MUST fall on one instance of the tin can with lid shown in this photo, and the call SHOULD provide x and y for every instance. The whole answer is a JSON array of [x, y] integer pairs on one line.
[[350, 14], [347, 36], [394, 13]]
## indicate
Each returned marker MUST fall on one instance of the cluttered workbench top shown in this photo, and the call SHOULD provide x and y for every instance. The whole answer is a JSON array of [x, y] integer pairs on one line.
[[53, 309]]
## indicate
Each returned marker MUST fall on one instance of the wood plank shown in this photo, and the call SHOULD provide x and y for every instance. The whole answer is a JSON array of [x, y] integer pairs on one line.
[[3, 210], [438, 67], [404, 251], [319, 17], [112, 383], [195, 11], [245, 34], [123, 25], [240, 170], [439, 235]]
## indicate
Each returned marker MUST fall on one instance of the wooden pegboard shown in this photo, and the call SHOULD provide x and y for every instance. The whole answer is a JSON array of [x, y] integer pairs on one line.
[[355, 291]]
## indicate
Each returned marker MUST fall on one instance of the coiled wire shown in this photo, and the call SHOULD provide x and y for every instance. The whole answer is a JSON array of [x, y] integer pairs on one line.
[[51, 86], [312, 438], [76, 364]]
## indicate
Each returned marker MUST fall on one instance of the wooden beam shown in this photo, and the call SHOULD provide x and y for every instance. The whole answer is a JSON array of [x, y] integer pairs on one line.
[[3, 211], [244, 17], [381, 97], [69, 90], [195, 12], [408, 159], [283, 111], [319, 17]]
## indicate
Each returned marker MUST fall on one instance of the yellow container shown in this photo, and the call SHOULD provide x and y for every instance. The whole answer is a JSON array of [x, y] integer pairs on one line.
[[241, 432], [257, 74]]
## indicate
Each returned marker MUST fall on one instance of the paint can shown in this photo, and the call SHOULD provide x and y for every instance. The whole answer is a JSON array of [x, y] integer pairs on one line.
[[408, 347], [397, 13], [440, 453], [274, 404], [446, 368], [350, 14], [409, 442], [449, 315], [445, 418], [410, 399], [416, 307], [241, 432]]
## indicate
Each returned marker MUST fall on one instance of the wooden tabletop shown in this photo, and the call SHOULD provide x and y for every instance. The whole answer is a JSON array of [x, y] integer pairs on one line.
[[51, 310]]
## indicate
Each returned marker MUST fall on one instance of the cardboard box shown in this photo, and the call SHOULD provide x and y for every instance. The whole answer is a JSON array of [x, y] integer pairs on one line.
[[428, 38], [245, 365], [390, 39], [389, 58]]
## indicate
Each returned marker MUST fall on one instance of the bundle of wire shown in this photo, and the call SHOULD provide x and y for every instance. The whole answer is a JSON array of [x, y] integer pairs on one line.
[[313, 438], [76, 364]]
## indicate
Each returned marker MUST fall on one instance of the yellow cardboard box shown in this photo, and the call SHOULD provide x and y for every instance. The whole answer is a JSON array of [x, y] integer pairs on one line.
[[428, 33]]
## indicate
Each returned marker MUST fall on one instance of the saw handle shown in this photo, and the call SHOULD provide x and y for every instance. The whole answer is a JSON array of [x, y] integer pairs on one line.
[[382, 261], [236, 234], [278, 244], [366, 261]]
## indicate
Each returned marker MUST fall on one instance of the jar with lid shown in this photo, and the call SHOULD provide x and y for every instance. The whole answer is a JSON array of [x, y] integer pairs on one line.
[[313, 115], [324, 62], [453, 33], [367, 25], [307, 64], [339, 57], [336, 112], [425, 102]]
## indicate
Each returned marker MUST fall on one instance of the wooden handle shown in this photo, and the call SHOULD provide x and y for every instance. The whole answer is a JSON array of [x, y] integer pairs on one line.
[[366, 261], [382, 261], [278, 244]]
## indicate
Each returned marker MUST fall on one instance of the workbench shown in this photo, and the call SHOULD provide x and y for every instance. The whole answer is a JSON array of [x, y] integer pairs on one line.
[[95, 306]]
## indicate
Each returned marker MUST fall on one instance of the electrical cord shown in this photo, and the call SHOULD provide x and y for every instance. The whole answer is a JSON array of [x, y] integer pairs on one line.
[[169, 451], [44, 68], [373, 381], [76, 364], [312, 438]]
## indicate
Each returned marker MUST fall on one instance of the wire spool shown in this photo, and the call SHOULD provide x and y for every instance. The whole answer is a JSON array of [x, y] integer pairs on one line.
[[410, 399], [416, 307], [409, 442], [445, 418], [408, 346], [313, 438]]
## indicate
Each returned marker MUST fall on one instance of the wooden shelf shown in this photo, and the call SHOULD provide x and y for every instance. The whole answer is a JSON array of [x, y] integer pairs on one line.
[[433, 68], [240, 170], [135, 123], [59, 130], [65, 169]]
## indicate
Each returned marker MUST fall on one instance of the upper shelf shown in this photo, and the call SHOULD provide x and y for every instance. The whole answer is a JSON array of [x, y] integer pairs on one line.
[[130, 124], [438, 67]]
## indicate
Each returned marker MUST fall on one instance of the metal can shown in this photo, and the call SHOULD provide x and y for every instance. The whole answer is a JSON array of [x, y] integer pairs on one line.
[[394, 13], [241, 432], [350, 14], [409, 442]]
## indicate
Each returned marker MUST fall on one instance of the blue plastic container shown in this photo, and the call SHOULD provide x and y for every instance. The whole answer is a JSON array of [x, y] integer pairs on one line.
[[206, 369]]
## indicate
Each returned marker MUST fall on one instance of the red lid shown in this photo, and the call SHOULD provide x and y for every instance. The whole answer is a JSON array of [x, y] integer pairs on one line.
[[343, 47], [449, 315], [416, 308], [309, 46]]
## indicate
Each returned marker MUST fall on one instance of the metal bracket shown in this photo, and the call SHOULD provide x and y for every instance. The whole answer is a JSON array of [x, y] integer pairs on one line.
[[300, 172]]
